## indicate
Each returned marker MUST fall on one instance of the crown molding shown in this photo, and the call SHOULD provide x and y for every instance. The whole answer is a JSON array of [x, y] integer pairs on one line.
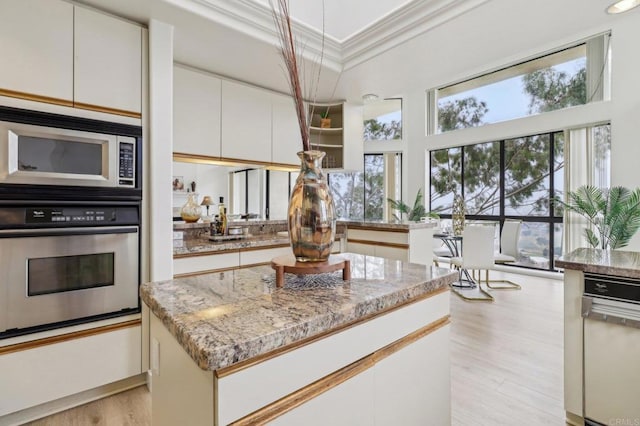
[[400, 25], [255, 20]]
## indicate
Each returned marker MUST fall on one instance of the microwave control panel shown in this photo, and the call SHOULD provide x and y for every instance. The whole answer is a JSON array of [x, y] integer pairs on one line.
[[126, 164]]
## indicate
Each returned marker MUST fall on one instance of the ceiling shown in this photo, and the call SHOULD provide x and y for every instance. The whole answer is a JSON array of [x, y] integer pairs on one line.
[[387, 47], [361, 13]]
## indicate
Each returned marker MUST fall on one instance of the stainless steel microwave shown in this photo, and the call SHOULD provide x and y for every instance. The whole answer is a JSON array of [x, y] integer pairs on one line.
[[41, 155]]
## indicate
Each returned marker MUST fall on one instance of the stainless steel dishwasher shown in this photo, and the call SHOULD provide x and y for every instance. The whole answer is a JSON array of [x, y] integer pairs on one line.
[[611, 312]]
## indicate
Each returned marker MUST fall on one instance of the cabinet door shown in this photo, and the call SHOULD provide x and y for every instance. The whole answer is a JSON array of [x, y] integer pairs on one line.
[[108, 62], [246, 122], [36, 46], [196, 113], [286, 139]]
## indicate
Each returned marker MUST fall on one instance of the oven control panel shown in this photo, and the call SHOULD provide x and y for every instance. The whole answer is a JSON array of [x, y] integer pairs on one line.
[[71, 215]]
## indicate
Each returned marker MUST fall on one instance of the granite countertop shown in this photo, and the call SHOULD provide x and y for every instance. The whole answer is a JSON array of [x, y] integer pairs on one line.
[[387, 225], [224, 318], [204, 245], [606, 262]]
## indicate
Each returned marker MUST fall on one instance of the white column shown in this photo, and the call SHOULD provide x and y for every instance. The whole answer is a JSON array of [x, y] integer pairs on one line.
[[161, 149]]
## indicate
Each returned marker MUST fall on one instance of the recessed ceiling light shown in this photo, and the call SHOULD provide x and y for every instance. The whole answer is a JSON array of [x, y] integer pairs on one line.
[[622, 6]]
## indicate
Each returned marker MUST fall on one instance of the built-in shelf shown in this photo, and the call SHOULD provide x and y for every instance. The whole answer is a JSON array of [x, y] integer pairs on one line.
[[326, 145], [330, 139], [326, 129]]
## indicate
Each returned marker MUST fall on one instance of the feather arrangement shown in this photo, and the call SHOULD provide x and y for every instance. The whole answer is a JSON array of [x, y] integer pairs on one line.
[[293, 64]]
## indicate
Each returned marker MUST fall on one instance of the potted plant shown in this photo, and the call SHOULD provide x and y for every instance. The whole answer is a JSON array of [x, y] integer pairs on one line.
[[415, 213], [325, 121], [613, 214]]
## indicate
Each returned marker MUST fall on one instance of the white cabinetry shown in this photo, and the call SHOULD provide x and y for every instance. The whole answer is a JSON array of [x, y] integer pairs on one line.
[[246, 122], [59, 53], [47, 372], [285, 139], [36, 46], [407, 245], [393, 369], [196, 112], [108, 62]]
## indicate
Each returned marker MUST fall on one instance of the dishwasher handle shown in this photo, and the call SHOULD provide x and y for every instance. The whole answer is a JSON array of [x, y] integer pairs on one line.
[[611, 311]]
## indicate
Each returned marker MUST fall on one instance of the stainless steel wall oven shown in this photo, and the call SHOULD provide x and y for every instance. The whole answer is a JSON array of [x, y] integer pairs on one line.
[[69, 232]]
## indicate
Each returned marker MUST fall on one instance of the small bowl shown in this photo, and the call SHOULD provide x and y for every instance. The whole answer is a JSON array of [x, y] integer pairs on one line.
[[235, 230]]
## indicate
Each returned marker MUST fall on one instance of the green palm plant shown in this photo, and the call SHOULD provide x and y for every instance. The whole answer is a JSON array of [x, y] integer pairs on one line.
[[413, 213], [614, 214]]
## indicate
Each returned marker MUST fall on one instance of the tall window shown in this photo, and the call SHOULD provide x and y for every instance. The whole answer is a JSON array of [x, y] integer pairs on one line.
[[513, 179], [362, 195], [383, 120], [547, 83]]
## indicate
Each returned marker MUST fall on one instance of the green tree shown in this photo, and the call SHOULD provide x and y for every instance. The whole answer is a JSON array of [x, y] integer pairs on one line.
[[375, 130], [550, 89], [461, 113], [527, 159]]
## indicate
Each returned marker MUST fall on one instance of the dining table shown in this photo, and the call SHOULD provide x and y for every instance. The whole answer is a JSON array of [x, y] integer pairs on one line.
[[454, 244]]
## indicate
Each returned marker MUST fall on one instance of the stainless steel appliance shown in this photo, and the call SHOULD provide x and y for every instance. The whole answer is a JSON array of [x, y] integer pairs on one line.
[[50, 150], [611, 312], [66, 264]]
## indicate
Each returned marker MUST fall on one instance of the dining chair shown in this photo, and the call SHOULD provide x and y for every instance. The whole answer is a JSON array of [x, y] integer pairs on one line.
[[477, 255], [508, 253]]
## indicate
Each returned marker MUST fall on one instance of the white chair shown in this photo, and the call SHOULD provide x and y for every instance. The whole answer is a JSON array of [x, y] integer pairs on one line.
[[508, 253], [477, 254]]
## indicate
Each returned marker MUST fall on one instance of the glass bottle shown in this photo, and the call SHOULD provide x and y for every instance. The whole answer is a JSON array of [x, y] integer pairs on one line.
[[222, 212], [190, 212]]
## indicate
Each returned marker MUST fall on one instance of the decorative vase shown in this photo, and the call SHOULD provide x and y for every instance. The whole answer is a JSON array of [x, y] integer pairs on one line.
[[325, 123], [312, 223], [457, 215], [190, 212]]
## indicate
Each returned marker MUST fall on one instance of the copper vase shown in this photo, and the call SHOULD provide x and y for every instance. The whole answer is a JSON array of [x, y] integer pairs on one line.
[[312, 223]]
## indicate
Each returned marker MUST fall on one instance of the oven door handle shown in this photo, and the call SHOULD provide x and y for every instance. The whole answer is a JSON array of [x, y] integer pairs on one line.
[[63, 232], [613, 312]]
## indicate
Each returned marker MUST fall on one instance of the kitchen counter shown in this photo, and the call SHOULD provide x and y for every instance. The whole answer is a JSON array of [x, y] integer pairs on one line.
[[230, 348], [386, 226], [196, 246], [604, 262], [224, 318]]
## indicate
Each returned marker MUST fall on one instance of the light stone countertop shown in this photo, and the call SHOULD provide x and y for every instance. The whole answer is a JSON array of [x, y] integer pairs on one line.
[[224, 318], [605, 262], [204, 245], [387, 225]]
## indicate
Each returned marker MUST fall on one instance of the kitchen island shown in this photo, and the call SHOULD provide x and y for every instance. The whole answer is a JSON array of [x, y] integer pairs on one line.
[[230, 348], [601, 336]]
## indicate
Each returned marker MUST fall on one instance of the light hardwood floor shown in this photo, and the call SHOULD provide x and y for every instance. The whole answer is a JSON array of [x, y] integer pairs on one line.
[[506, 364]]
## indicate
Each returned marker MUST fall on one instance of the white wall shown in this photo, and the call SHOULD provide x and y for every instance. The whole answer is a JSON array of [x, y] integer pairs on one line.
[[210, 180], [492, 37]]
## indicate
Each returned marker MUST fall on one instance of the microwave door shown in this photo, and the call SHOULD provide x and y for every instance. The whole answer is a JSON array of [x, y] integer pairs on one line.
[[42, 156]]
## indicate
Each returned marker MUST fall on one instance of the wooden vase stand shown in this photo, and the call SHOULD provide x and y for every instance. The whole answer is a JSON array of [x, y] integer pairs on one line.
[[289, 264]]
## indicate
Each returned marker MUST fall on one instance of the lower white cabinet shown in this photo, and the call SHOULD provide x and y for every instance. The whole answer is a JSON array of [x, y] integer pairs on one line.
[[254, 257], [48, 372], [205, 263], [410, 245], [393, 369]]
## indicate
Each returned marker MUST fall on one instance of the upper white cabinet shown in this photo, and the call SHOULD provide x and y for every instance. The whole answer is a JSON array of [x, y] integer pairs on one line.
[[108, 62], [246, 122], [196, 112], [36, 46], [285, 138], [59, 53]]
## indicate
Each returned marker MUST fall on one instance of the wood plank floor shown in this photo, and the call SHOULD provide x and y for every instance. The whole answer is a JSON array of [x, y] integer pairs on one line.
[[506, 364]]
